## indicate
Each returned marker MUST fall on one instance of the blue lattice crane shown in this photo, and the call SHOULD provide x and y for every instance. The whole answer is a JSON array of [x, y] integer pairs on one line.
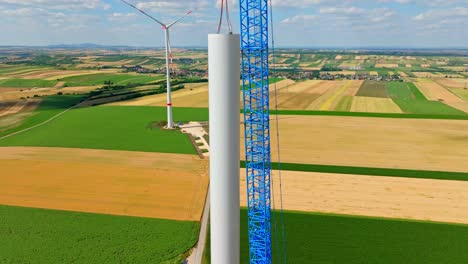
[[255, 80]]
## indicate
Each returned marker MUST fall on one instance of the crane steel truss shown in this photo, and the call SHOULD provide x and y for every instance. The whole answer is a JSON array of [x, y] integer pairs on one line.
[[255, 80]]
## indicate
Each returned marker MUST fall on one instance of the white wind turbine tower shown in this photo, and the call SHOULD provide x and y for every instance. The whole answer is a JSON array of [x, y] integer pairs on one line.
[[170, 122]]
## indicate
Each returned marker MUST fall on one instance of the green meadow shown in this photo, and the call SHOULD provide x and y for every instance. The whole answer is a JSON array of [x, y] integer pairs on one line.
[[112, 128], [47, 236]]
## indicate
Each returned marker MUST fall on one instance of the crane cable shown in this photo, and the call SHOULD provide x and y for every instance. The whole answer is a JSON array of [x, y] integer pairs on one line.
[[228, 19], [273, 69]]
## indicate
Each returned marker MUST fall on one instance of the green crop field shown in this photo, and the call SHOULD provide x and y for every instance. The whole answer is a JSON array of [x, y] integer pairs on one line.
[[100, 78], [426, 107], [416, 92], [373, 89], [418, 174], [462, 93], [47, 236], [49, 107], [399, 90], [345, 104], [323, 238], [410, 99], [27, 83], [112, 128]]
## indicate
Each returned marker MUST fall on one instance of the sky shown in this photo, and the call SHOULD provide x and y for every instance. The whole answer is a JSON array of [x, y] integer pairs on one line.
[[296, 23]]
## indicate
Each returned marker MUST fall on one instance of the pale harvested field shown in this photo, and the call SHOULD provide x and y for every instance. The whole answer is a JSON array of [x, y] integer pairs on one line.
[[386, 65], [16, 93], [314, 94], [170, 186], [424, 74], [435, 92], [332, 87], [11, 121], [460, 92], [374, 105], [463, 106], [15, 108], [392, 197], [338, 57], [196, 95], [435, 75], [311, 68], [333, 100], [451, 83], [311, 86], [66, 74], [402, 74], [354, 88], [373, 73], [341, 72], [420, 144], [58, 74]]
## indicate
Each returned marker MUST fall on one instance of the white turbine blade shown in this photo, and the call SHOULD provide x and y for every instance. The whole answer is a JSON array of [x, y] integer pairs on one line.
[[144, 13], [173, 23]]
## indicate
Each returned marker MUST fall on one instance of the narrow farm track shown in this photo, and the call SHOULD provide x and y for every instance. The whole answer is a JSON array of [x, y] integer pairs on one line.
[[41, 124]]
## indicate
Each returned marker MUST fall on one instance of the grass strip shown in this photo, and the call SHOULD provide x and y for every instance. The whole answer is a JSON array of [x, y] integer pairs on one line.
[[460, 116], [421, 174]]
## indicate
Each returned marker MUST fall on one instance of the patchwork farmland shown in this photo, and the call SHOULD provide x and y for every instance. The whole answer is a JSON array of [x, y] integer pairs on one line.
[[373, 158]]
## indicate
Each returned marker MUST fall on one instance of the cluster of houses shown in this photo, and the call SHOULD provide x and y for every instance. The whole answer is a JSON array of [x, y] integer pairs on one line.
[[316, 75], [162, 70]]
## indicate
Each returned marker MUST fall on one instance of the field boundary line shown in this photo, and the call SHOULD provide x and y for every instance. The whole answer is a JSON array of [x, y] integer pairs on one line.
[[43, 123], [368, 171]]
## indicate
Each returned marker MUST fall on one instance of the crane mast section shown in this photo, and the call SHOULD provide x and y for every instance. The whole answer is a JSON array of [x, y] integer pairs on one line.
[[255, 83]]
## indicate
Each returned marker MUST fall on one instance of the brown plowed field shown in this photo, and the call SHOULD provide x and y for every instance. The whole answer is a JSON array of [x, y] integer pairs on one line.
[[420, 144], [393, 197], [169, 186]]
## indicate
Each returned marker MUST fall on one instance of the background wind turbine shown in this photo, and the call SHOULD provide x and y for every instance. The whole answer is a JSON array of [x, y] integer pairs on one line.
[[170, 121]]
